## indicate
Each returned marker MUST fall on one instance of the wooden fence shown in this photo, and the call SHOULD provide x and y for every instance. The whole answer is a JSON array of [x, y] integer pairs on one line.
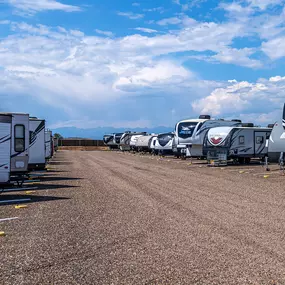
[[79, 142]]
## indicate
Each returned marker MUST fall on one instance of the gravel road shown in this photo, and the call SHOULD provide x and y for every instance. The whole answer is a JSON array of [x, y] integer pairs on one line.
[[114, 218]]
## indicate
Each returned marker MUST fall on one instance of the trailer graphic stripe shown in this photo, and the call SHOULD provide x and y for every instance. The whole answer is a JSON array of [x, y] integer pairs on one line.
[[4, 137], [5, 140], [34, 134]]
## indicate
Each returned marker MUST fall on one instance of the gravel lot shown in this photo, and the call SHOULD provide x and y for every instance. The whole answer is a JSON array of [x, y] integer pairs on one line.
[[114, 218]]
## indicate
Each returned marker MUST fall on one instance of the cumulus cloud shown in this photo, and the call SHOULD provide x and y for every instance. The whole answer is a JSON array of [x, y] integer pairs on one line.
[[33, 6], [158, 75], [73, 71], [244, 98]]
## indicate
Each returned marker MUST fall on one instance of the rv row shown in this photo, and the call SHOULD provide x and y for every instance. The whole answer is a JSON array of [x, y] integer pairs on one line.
[[217, 140], [25, 145]]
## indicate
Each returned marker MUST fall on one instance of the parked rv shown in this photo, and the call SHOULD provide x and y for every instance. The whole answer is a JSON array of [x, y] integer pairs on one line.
[[134, 139], [48, 144], [153, 142], [189, 134], [126, 140], [163, 144], [239, 143], [19, 143], [109, 140], [37, 153], [143, 143], [55, 143], [117, 138], [5, 147], [276, 143]]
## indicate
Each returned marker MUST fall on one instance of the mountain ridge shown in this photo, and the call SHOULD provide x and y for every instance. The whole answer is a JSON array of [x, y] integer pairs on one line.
[[99, 132]]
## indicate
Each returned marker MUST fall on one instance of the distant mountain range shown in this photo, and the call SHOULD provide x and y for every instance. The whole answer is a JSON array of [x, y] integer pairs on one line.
[[98, 133]]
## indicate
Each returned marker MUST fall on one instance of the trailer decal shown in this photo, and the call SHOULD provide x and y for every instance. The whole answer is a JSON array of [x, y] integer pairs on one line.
[[4, 137], [5, 140], [245, 149]]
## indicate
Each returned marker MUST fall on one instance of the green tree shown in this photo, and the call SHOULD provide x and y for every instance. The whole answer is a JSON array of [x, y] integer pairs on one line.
[[59, 136]]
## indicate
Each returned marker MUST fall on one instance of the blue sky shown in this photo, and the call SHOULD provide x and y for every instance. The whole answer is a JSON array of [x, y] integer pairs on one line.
[[142, 63]]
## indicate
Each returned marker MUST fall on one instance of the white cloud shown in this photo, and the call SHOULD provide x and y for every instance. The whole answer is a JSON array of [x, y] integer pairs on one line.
[[73, 71], [276, 78], [130, 15], [169, 21], [264, 4], [155, 9], [244, 98], [105, 33], [33, 6], [157, 75], [238, 56], [274, 48], [188, 4], [146, 30], [5, 22], [136, 4]]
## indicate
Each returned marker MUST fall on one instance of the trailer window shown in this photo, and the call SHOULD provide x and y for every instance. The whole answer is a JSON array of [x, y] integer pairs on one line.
[[241, 139], [259, 140], [186, 129], [19, 140]]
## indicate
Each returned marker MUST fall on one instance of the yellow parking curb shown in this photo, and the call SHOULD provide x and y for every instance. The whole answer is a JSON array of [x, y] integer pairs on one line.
[[21, 206]]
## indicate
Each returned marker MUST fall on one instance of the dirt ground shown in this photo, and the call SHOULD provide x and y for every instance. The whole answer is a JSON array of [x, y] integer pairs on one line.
[[107, 217]]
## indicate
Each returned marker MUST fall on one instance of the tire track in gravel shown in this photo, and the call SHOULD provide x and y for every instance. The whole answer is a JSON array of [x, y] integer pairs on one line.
[[168, 201]]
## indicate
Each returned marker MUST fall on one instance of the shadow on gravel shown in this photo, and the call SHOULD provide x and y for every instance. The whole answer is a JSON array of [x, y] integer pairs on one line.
[[56, 171], [60, 163], [34, 199], [53, 187], [55, 178]]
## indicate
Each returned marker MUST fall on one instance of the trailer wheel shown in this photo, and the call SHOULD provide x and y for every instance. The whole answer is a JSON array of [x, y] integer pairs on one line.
[[247, 160], [241, 160]]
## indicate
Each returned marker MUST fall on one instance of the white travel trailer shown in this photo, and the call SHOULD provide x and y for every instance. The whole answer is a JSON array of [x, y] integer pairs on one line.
[[143, 143], [19, 143], [37, 153], [5, 147], [238, 143], [117, 138], [276, 143], [109, 141], [153, 142], [189, 134], [134, 139], [48, 144], [126, 140], [55, 143], [164, 143]]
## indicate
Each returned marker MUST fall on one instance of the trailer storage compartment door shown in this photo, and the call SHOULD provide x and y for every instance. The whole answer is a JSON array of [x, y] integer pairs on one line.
[[5, 152]]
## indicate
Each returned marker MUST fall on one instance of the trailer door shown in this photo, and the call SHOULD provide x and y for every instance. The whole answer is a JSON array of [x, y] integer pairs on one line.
[[5, 152], [260, 142]]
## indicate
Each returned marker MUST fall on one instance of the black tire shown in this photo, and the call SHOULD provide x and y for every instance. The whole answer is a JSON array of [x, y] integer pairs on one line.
[[241, 160], [247, 160]]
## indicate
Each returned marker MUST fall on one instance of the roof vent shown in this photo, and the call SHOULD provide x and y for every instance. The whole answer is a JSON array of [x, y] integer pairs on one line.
[[248, 125], [236, 120], [270, 126], [206, 117]]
